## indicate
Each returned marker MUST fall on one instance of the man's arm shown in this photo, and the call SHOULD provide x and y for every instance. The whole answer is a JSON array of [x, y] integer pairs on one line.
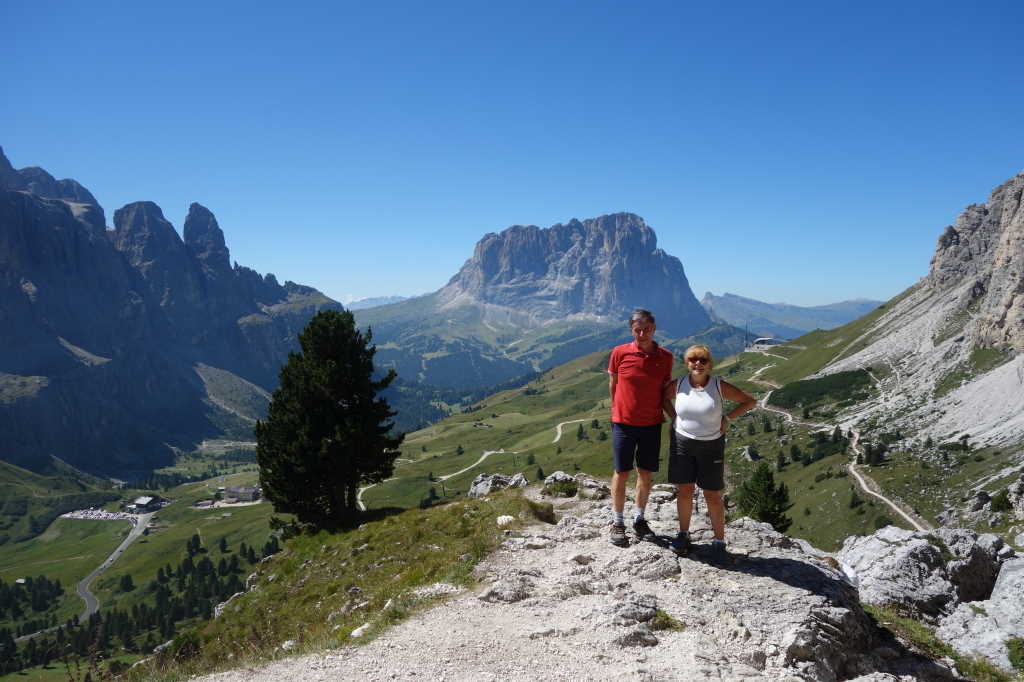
[[613, 380], [668, 404]]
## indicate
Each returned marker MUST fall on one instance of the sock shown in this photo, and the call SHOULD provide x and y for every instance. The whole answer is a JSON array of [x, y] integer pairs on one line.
[[638, 514], [617, 518], [684, 533], [717, 541]]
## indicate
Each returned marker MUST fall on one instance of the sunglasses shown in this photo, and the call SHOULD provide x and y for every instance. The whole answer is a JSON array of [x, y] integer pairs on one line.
[[695, 361]]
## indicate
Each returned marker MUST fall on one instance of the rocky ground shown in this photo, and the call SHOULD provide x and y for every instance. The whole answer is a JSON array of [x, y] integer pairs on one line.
[[560, 602]]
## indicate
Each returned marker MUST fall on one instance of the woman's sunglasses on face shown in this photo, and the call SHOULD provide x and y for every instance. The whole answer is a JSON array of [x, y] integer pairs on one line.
[[695, 361]]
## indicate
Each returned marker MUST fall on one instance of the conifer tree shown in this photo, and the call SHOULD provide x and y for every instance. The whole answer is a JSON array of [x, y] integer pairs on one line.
[[326, 430], [759, 498]]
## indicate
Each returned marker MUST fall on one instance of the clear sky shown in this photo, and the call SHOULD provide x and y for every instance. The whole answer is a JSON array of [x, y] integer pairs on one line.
[[805, 152]]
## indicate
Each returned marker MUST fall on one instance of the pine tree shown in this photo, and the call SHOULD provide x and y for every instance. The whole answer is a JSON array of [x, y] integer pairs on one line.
[[580, 433], [326, 430], [759, 498], [540, 474], [794, 453]]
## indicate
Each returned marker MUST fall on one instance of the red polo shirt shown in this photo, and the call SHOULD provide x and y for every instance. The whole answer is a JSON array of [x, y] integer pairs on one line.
[[641, 378]]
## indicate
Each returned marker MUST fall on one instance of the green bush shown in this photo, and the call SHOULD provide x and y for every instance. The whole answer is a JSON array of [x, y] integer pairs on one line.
[[1001, 501], [560, 489]]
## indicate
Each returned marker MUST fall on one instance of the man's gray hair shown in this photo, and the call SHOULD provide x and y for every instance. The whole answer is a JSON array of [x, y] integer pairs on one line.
[[640, 315]]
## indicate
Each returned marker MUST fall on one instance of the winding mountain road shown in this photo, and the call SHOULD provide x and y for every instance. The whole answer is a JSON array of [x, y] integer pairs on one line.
[[92, 604]]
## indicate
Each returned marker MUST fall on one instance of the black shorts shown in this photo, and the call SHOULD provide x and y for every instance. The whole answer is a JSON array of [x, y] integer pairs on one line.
[[697, 461], [636, 443]]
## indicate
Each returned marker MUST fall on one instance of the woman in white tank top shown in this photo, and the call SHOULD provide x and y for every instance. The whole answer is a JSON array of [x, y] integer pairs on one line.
[[694, 403]]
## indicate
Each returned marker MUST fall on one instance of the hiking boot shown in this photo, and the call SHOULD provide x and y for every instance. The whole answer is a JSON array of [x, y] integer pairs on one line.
[[642, 530], [681, 544], [618, 535], [718, 555]]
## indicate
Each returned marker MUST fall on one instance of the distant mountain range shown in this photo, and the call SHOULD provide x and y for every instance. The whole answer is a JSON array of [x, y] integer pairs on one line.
[[782, 320], [373, 302], [122, 345], [530, 298]]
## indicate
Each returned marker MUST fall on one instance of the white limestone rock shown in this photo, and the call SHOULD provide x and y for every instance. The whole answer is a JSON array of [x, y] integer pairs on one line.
[[982, 627], [897, 566]]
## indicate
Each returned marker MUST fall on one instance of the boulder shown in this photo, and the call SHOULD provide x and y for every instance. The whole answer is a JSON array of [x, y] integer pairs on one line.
[[980, 501], [975, 563], [1016, 496], [590, 488], [485, 484], [897, 566], [982, 627], [556, 477]]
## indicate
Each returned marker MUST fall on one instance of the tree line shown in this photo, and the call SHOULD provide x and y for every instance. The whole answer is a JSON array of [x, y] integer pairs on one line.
[[37, 595], [189, 590]]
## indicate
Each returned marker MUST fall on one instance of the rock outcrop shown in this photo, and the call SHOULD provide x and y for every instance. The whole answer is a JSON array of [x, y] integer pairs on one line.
[[985, 249], [982, 627], [951, 345], [603, 267], [485, 484]]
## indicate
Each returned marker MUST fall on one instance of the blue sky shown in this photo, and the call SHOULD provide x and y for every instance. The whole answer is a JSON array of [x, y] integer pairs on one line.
[[804, 152]]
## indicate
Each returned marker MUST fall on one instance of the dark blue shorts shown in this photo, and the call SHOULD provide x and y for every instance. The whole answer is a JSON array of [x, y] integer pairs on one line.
[[697, 461], [639, 444]]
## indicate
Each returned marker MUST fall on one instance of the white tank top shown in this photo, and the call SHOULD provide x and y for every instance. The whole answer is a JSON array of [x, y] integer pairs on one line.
[[698, 410]]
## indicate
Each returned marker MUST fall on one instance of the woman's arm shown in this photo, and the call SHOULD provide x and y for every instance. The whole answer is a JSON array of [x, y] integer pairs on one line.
[[746, 402]]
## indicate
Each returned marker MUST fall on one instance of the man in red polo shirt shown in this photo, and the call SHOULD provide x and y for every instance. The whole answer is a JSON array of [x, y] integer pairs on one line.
[[637, 373]]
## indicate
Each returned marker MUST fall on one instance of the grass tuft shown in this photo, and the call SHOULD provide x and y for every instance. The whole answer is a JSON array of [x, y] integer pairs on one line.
[[922, 639], [663, 621]]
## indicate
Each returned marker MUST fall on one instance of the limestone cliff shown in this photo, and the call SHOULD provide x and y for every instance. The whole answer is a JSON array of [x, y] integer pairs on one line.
[[111, 340], [602, 267]]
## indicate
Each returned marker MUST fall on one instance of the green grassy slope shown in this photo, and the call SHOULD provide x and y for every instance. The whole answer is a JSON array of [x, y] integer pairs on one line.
[[30, 501], [813, 351], [522, 423]]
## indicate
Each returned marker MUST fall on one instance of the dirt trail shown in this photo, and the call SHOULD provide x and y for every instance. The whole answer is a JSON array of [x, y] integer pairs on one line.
[[488, 453], [558, 428]]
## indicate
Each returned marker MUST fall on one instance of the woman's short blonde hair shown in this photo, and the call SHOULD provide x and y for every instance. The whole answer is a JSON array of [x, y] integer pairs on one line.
[[704, 350]]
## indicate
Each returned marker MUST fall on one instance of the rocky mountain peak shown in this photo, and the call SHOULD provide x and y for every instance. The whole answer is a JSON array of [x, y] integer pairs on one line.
[[9, 178], [143, 234], [205, 240], [980, 260], [40, 183], [37, 181], [603, 266]]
